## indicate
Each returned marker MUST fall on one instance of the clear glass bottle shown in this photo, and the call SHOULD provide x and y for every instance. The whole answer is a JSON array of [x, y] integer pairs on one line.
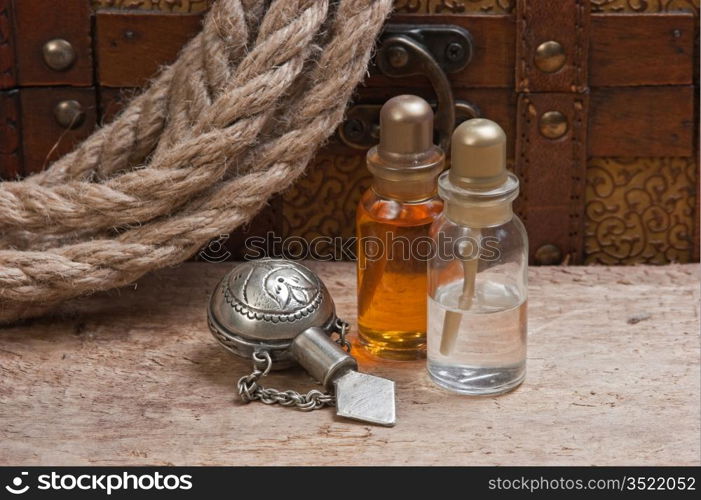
[[392, 224], [477, 278]]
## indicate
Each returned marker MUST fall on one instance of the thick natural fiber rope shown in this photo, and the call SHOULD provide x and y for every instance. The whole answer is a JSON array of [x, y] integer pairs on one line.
[[235, 120]]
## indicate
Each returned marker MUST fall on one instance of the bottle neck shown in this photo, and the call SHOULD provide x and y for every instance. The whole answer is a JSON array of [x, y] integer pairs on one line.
[[405, 177], [405, 191], [475, 215], [478, 208]]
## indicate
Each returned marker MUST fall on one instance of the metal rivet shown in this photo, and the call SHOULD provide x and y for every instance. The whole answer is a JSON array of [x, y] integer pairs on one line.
[[397, 56], [69, 114], [549, 57], [354, 129], [58, 54], [454, 52], [548, 255], [553, 124]]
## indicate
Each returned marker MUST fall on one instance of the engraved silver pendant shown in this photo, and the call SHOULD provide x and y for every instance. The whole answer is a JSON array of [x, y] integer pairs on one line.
[[277, 313]]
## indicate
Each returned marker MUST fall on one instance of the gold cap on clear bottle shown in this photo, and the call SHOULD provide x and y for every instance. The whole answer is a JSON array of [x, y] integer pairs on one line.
[[405, 163], [478, 189], [478, 155]]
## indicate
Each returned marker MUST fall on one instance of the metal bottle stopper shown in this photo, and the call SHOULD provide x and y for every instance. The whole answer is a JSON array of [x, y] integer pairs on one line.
[[405, 163], [277, 313]]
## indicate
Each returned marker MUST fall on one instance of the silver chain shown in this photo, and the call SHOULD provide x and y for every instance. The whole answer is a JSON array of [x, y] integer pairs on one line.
[[342, 328], [250, 390]]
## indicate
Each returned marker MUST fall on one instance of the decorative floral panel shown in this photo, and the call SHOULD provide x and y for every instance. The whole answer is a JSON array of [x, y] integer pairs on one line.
[[162, 5], [640, 211]]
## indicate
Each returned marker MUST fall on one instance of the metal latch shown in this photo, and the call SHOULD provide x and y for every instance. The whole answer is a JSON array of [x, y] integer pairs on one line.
[[410, 50]]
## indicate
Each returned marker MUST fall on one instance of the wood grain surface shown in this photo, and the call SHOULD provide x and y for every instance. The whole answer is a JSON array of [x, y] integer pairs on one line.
[[130, 48], [37, 22], [8, 67], [43, 139], [652, 49], [628, 122], [10, 135], [626, 50], [134, 377]]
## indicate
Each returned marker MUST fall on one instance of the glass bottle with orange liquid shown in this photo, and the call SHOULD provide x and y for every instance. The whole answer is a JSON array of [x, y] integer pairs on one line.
[[392, 224]]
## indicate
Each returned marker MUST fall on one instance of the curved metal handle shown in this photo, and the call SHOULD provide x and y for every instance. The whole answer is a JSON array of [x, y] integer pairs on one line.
[[430, 50], [401, 56]]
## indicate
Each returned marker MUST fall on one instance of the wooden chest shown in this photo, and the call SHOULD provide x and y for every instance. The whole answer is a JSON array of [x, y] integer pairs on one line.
[[598, 98]]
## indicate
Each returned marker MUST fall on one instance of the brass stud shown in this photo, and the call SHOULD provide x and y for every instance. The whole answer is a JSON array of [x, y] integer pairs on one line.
[[549, 57], [58, 54], [69, 114], [553, 124], [548, 255], [397, 56]]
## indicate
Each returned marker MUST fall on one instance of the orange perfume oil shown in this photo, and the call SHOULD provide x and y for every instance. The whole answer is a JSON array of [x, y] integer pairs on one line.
[[392, 226]]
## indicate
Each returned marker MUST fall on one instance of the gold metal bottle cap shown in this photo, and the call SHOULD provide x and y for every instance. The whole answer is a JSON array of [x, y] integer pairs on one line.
[[478, 155], [478, 190], [405, 163], [406, 125]]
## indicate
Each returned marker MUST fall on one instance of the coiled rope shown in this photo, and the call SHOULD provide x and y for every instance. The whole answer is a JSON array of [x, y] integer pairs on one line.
[[233, 121]]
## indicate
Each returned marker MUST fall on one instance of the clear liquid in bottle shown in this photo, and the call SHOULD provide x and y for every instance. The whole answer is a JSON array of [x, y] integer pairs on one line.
[[489, 354]]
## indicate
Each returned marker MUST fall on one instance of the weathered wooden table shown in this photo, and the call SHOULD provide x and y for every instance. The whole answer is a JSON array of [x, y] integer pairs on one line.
[[134, 377]]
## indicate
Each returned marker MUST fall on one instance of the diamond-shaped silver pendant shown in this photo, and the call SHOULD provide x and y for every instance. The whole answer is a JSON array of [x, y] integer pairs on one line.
[[365, 397]]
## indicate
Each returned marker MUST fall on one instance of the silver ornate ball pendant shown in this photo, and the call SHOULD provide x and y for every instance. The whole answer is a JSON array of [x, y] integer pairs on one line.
[[277, 313]]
